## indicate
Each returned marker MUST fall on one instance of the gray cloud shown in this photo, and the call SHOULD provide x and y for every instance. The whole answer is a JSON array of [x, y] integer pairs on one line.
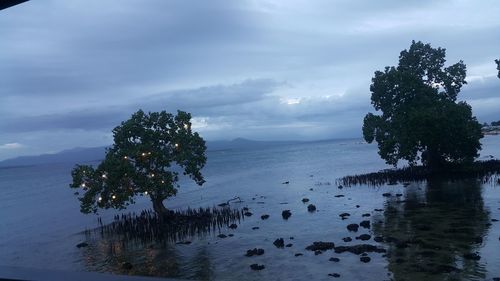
[[70, 70]]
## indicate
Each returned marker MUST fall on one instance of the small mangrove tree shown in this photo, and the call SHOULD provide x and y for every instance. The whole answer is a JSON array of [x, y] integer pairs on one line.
[[149, 151]]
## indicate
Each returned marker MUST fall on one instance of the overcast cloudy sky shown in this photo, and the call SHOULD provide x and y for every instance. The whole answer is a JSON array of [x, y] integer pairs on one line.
[[262, 69]]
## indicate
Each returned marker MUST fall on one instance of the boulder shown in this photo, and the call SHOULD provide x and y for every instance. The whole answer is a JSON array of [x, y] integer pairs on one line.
[[365, 259], [364, 237], [365, 224], [320, 246], [359, 249], [82, 245], [279, 243], [286, 214], [254, 252], [257, 266], [353, 227], [347, 239], [311, 208]]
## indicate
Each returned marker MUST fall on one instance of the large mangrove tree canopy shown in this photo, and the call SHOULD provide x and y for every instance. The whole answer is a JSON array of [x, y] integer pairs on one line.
[[149, 151], [420, 117]]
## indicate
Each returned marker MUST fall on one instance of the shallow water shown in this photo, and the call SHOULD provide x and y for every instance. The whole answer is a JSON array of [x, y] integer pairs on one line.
[[435, 223]]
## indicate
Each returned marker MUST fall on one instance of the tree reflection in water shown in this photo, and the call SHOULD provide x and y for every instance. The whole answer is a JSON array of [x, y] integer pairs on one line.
[[160, 259], [428, 233]]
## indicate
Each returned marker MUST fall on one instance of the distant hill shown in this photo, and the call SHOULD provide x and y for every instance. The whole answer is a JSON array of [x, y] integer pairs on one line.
[[75, 155], [89, 154]]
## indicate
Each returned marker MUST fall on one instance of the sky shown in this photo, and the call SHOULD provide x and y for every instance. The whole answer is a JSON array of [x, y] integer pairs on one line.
[[70, 71]]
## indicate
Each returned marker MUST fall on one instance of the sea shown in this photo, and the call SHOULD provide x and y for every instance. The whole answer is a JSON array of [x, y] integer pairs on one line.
[[438, 225]]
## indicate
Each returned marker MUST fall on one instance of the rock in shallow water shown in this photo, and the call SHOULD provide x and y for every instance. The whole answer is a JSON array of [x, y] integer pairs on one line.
[[82, 245], [279, 243], [359, 249], [254, 252], [257, 266], [365, 259], [335, 275], [365, 224], [286, 214], [334, 259], [320, 246], [364, 237], [353, 227], [347, 239], [311, 208], [264, 217]]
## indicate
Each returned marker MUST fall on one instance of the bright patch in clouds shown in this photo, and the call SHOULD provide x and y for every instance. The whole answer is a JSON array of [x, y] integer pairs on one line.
[[290, 101], [13, 145]]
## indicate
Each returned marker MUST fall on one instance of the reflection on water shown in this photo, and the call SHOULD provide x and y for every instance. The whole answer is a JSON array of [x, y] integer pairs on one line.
[[429, 232]]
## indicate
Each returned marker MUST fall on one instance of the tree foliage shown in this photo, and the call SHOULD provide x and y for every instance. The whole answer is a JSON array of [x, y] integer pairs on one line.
[[498, 67], [149, 151], [420, 116]]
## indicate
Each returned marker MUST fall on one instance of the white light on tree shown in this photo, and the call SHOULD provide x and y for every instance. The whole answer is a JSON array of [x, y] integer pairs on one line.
[[145, 193], [114, 197], [100, 199]]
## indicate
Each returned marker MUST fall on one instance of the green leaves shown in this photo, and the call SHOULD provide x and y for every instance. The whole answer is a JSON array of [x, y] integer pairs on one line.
[[420, 118], [498, 67], [149, 151]]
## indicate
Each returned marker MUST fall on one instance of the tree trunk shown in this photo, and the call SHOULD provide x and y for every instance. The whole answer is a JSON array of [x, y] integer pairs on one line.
[[158, 206], [434, 161]]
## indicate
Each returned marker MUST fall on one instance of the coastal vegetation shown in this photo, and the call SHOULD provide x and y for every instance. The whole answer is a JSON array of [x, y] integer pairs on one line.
[[420, 118], [498, 67], [149, 151]]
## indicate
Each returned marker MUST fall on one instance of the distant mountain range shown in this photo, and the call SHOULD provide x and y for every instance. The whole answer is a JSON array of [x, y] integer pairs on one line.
[[75, 155], [90, 154]]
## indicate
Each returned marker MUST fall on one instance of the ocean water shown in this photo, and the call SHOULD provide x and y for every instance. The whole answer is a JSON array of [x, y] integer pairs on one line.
[[439, 222]]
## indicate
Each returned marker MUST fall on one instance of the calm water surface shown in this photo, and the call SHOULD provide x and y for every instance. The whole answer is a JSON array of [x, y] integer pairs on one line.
[[435, 223]]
